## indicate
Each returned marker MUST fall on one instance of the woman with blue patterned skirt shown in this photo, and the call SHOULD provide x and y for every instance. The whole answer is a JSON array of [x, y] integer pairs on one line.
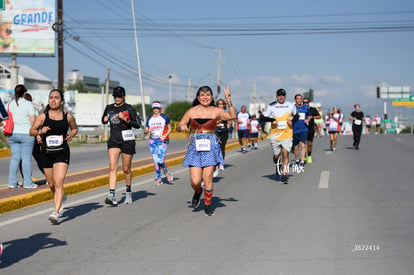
[[203, 151]]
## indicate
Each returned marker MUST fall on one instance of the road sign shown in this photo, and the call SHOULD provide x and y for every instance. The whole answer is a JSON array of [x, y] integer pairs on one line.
[[411, 98], [403, 103], [392, 92], [2, 6]]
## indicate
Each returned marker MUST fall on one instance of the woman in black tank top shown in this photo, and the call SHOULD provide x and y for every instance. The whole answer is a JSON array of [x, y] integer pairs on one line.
[[53, 125]]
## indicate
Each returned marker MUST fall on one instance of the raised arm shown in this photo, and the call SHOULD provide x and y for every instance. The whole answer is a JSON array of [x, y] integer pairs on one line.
[[232, 110]]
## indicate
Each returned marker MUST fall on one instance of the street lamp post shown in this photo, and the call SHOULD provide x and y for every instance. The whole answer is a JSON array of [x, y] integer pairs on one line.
[[169, 88]]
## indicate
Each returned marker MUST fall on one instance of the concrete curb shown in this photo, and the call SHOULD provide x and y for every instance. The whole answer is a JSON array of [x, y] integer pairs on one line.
[[44, 195], [4, 153]]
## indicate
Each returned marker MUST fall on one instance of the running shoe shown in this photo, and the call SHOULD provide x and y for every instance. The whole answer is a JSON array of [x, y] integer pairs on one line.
[[110, 199], [54, 217], [255, 147], [309, 159], [158, 182], [63, 200], [215, 173], [33, 186], [195, 202], [170, 177], [208, 211], [284, 179], [128, 198], [221, 167], [334, 149], [13, 186]]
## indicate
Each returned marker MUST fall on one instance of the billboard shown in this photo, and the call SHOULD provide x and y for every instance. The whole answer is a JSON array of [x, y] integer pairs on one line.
[[26, 27]]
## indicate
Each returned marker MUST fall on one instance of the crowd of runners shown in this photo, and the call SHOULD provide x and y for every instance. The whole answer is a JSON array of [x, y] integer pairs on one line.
[[293, 126]]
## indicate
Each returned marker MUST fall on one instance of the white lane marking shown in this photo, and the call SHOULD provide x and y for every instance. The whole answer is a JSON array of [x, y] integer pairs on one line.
[[329, 152], [324, 180], [398, 139]]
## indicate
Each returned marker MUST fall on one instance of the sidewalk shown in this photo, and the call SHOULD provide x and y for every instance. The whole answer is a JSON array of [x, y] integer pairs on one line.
[[13, 199]]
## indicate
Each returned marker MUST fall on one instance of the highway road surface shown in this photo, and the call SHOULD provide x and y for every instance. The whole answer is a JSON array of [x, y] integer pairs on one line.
[[349, 212]]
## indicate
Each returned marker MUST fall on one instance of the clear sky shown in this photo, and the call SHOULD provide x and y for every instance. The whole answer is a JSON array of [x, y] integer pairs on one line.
[[342, 49]]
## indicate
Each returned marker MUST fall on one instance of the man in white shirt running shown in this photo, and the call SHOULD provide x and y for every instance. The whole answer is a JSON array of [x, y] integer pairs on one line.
[[281, 114]]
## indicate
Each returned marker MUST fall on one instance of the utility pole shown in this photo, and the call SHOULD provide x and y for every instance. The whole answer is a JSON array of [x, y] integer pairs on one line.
[[60, 45], [385, 115], [169, 88], [143, 114], [254, 93], [218, 71], [14, 69], [189, 89]]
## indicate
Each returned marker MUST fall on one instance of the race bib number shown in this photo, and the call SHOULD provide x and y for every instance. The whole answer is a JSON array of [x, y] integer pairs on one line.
[[54, 141], [203, 145], [281, 125], [302, 116], [155, 134], [357, 121], [128, 135]]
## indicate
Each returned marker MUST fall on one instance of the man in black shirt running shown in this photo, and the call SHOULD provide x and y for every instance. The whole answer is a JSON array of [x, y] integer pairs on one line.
[[357, 118], [311, 128]]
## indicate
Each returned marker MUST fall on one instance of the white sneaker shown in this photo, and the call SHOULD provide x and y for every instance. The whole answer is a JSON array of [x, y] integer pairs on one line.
[[170, 177], [216, 171], [33, 186], [54, 217], [128, 198]]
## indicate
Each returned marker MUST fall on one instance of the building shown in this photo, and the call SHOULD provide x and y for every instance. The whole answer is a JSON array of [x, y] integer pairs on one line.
[[30, 78]]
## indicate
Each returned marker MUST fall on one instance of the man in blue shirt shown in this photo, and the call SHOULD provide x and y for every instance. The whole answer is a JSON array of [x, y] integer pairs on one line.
[[300, 130]]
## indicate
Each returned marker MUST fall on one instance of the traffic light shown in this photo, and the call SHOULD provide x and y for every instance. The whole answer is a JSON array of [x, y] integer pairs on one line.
[[378, 92], [385, 118]]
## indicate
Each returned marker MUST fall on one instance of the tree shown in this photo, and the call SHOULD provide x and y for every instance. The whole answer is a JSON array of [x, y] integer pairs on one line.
[[77, 86], [176, 110], [138, 108], [406, 130]]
